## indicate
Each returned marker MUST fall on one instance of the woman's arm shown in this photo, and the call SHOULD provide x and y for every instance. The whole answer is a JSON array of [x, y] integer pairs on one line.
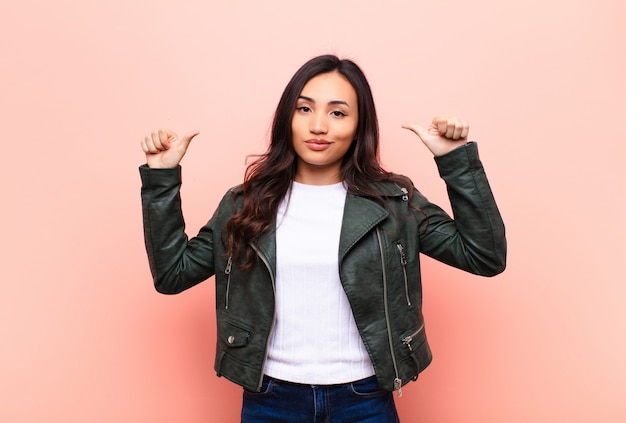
[[475, 239], [176, 262]]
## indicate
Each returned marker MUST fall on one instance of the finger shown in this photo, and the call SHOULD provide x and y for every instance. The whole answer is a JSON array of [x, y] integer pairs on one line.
[[461, 129], [148, 145], [465, 131], [166, 137], [437, 121], [144, 147], [458, 130], [155, 141], [450, 127], [441, 124]]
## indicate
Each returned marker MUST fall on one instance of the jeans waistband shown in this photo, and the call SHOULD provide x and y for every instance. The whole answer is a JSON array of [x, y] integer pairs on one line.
[[286, 382]]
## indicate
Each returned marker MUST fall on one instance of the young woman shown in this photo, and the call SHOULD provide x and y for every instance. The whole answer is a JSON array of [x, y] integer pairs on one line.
[[316, 254]]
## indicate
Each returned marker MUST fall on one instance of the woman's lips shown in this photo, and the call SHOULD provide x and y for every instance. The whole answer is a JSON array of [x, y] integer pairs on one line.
[[317, 145]]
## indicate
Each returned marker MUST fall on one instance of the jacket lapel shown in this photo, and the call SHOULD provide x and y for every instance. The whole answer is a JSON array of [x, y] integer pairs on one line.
[[360, 215]]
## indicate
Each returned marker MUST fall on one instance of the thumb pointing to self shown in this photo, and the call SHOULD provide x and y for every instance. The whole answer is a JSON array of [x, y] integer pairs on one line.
[[417, 129], [442, 136], [186, 140], [178, 147], [164, 149]]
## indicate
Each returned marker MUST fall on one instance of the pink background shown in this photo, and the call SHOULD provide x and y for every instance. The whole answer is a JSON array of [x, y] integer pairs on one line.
[[85, 338]]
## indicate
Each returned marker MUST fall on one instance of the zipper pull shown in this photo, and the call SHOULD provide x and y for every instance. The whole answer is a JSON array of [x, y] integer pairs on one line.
[[405, 197], [229, 265], [402, 255], [397, 386], [403, 263], [407, 341], [227, 270]]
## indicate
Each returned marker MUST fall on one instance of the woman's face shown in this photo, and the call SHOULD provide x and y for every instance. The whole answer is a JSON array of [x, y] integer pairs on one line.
[[323, 128]]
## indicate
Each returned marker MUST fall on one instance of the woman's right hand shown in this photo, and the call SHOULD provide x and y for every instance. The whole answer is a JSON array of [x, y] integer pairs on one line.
[[164, 149]]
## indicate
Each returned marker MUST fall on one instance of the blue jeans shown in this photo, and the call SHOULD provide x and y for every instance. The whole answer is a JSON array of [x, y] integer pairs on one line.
[[284, 402]]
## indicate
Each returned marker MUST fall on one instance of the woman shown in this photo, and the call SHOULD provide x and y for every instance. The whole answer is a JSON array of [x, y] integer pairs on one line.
[[316, 254]]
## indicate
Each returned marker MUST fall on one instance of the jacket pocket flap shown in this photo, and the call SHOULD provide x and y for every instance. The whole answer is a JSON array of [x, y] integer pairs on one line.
[[234, 336]]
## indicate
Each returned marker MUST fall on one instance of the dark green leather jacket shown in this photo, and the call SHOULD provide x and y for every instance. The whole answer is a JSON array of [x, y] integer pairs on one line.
[[378, 264]]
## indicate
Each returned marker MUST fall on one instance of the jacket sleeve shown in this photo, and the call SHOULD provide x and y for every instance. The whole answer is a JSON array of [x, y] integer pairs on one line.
[[475, 239], [176, 262]]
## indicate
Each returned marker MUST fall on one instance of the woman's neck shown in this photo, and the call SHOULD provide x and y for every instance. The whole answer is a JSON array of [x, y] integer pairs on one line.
[[318, 175]]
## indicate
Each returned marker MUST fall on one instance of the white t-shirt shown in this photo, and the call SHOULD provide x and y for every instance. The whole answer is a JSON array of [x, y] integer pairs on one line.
[[315, 339]]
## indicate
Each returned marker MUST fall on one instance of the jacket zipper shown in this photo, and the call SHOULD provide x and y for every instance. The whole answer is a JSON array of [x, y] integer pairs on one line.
[[397, 382], [267, 344], [409, 338], [406, 279], [227, 271]]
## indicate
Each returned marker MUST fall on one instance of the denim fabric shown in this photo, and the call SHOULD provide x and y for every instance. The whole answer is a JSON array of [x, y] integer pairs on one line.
[[283, 402]]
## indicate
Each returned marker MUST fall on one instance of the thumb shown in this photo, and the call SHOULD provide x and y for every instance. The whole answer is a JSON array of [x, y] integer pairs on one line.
[[417, 129], [188, 137]]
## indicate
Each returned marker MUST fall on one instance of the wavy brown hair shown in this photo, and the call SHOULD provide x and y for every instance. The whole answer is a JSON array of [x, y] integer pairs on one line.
[[268, 178]]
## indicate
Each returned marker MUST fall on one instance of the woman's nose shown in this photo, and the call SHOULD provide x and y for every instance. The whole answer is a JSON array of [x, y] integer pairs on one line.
[[319, 123]]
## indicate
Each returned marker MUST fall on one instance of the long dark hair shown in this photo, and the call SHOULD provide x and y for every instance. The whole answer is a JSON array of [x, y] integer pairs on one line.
[[267, 179]]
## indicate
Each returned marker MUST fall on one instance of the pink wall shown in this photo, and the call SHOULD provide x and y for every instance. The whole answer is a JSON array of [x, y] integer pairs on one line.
[[85, 338]]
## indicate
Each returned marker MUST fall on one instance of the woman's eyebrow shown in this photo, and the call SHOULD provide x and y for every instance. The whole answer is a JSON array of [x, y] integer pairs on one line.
[[309, 99]]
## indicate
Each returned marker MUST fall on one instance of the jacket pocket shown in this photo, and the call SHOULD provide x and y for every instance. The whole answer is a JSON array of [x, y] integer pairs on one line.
[[233, 358], [417, 347], [403, 262], [412, 340]]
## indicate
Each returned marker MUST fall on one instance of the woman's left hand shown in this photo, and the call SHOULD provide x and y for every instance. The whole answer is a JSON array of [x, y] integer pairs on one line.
[[443, 135]]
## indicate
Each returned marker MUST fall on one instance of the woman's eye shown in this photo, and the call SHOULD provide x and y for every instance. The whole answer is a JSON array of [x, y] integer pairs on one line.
[[304, 108], [338, 113]]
